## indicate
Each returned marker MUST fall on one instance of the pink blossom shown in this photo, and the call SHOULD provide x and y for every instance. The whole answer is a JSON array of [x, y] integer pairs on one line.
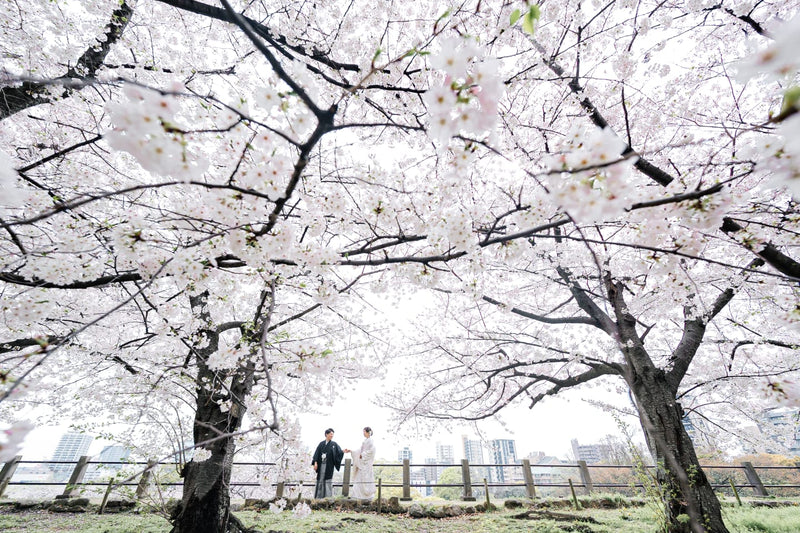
[[12, 439]]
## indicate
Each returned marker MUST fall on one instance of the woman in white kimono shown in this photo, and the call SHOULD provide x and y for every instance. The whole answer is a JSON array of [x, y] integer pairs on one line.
[[363, 475]]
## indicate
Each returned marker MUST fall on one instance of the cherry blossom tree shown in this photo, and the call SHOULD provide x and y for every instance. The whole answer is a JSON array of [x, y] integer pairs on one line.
[[187, 229], [197, 194]]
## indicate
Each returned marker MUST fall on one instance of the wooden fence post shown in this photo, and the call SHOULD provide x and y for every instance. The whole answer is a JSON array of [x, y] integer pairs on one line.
[[574, 496], [141, 489], [106, 495], [7, 472], [467, 497], [346, 478], [585, 477], [76, 478], [279, 490], [530, 488], [406, 481], [753, 479]]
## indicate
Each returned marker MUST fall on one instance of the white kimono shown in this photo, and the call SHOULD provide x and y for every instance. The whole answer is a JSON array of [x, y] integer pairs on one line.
[[363, 475]]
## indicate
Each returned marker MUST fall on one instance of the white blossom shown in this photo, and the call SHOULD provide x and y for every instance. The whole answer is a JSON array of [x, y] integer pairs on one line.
[[201, 454]]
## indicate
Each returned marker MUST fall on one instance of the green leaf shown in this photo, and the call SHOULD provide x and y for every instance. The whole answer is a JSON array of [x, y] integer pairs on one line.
[[515, 15], [530, 18], [791, 98]]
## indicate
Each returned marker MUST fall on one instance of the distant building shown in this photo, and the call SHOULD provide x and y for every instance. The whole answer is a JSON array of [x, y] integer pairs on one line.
[[70, 448], [502, 452], [473, 450], [542, 472], [32, 474], [781, 426], [107, 462], [418, 478], [444, 457], [430, 474], [444, 454], [697, 429], [405, 453], [591, 453]]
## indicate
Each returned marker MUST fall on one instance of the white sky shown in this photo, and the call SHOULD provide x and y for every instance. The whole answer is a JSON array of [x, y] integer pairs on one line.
[[549, 427]]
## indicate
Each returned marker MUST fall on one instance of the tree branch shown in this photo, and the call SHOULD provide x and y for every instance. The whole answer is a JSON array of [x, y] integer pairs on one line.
[[600, 319], [545, 319], [693, 331], [769, 252], [28, 94], [279, 42]]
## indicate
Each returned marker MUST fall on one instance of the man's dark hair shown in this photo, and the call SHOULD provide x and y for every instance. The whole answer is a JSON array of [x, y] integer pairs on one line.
[[329, 430]]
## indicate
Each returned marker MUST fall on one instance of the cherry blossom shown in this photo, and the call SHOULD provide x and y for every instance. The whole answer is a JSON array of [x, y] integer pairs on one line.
[[12, 439], [203, 200]]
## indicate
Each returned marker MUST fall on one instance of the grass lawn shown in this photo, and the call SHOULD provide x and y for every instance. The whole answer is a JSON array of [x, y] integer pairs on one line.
[[638, 520]]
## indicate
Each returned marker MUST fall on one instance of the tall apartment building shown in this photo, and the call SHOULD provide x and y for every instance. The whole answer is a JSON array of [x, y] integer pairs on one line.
[[106, 466], [70, 447], [781, 427], [473, 450], [405, 453], [502, 452], [444, 454], [591, 453], [430, 475]]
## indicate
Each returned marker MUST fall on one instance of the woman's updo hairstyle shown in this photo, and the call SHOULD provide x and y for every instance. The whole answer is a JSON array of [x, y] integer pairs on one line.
[[368, 430]]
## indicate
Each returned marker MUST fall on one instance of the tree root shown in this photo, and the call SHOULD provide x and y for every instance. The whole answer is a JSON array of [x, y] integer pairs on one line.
[[533, 514], [237, 526]]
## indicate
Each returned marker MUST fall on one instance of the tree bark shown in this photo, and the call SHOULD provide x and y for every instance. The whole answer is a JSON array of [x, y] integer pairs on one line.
[[690, 503], [686, 490], [205, 505]]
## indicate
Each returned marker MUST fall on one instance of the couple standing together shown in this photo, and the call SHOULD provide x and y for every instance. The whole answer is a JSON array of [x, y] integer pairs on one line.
[[329, 456]]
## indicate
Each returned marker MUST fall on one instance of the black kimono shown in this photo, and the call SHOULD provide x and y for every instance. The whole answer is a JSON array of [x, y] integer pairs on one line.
[[327, 456]]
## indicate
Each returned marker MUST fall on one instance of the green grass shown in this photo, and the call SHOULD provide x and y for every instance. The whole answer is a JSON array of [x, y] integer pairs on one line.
[[631, 520]]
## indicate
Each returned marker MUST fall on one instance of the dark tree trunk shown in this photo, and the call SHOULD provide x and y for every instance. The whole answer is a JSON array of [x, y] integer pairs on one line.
[[687, 491], [205, 506]]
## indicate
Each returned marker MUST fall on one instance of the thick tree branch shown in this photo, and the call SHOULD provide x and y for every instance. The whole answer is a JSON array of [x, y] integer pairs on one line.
[[18, 344], [17, 98], [544, 319], [102, 281], [600, 319], [279, 42], [768, 252], [572, 381], [694, 328], [643, 165]]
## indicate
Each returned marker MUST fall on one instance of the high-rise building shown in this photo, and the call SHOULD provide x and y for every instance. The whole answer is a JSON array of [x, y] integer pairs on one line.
[[444, 454], [501, 452], [697, 429], [405, 453], [70, 448], [431, 474], [591, 453], [781, 427], [473, 450], [106, 462]]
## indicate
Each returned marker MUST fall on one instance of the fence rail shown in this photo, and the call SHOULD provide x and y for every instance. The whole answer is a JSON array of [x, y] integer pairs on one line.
[[524, 475]]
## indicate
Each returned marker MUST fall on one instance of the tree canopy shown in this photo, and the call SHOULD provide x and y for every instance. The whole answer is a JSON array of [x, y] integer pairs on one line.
[[200, 198]]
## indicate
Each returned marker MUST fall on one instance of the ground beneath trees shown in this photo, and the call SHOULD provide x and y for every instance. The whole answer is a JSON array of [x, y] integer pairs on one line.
[[527, 519]]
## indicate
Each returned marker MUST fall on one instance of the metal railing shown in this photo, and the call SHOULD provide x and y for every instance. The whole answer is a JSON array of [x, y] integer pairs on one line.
[[524, 475]]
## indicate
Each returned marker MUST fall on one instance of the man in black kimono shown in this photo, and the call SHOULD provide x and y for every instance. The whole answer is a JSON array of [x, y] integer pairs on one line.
[[327, 457]]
